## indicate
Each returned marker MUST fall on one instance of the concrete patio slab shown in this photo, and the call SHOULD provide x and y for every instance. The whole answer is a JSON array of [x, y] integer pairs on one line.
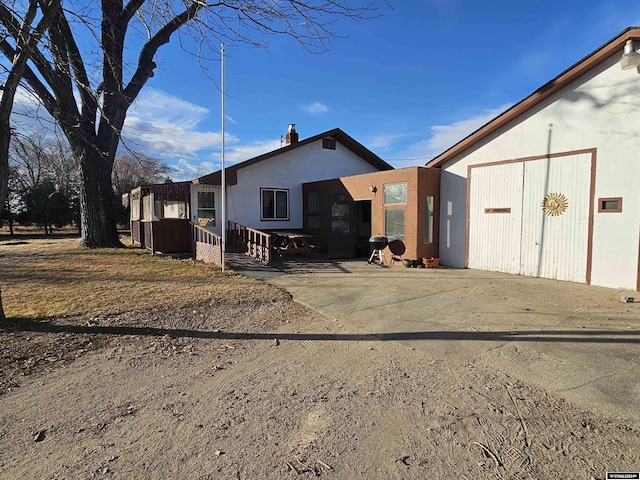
[[578, 341]]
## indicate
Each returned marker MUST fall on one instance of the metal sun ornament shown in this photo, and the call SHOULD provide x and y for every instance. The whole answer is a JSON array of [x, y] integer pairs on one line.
[[555, 204]]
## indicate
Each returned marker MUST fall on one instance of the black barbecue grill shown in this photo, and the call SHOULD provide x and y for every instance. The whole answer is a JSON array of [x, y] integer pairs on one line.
[[377, 245]]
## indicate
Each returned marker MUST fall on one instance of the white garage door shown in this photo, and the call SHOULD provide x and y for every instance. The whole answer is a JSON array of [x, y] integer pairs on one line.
[[509, 229]]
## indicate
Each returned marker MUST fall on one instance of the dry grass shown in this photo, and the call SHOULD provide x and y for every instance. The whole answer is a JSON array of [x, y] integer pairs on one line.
[[43, 278]]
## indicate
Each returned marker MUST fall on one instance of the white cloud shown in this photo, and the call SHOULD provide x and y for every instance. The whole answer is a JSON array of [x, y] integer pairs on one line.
[[385, 141], [534, 65], [188, 169], [28, 114], [166, 126], [315, 108], [25, 98], [240, 153], [153, 103], [445, 136], [162, 138]]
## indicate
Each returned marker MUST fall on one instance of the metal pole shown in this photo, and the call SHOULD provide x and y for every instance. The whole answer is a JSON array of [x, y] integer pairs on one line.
[[223, 180]]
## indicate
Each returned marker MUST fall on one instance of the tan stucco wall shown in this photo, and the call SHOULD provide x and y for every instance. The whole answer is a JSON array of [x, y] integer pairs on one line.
[[420, 183]]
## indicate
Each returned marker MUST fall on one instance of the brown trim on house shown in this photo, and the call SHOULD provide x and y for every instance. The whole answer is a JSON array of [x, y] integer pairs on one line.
[[618, 209], [497, 210], [169, 190], [592, 193], [467, 228], [612, 47], [592, 189], [535, 157], [231, 173]]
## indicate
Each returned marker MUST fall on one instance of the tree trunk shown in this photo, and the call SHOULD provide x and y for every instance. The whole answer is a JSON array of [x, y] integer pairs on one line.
[[98, 227], [5, 136], [2, 316]]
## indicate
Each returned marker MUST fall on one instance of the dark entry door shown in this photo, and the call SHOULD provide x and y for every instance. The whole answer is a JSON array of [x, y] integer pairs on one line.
[[342, 235]]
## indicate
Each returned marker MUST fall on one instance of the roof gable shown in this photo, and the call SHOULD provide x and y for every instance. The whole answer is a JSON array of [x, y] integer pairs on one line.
[[231, 173], [602, 53]]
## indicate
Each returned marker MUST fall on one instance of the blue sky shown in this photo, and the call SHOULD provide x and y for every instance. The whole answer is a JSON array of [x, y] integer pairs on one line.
[[407, 84]]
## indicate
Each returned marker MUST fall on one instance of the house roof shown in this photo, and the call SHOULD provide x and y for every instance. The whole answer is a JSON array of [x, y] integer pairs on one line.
[[168, 190], [612, 47], [231, 173]]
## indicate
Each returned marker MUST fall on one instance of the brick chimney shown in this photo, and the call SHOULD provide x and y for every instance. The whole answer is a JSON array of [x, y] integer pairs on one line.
[[292, 135]]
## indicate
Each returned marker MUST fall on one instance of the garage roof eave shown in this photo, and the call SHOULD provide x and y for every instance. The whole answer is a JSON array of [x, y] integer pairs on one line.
[[613, 46]]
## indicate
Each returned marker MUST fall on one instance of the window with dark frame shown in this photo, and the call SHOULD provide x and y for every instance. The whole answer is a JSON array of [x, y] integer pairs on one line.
[[329, 143], [610, 205], [337, 197], [313, 210], [275, 204]]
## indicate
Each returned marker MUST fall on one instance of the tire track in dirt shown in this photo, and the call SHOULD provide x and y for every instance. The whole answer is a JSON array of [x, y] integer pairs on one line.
[[370, 409]]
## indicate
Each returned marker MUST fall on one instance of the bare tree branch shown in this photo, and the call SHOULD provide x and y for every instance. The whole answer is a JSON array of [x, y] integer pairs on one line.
[[26, 41], [87, 65]]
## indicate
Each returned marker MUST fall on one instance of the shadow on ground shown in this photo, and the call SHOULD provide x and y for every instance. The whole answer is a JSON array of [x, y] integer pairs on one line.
[[568, 336]]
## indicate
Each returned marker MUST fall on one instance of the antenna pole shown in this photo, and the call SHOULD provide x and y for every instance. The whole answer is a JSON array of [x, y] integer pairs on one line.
[[223, 180]]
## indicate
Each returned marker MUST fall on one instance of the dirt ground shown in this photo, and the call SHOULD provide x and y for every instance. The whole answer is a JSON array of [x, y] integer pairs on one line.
[[272, 390]]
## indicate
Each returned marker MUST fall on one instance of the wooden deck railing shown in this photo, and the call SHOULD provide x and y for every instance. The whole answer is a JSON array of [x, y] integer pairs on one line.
[[206, 245], [253, 242]]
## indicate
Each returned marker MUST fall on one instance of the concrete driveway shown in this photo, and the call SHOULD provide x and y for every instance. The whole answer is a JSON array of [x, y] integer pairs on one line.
[[578, 341]]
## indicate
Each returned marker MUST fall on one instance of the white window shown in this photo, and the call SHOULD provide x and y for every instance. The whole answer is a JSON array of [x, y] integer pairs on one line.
[[146, 207], [394, 223], [174, 209], [395, 193], [275, 204], [206, 209], [135, 209], [428, 219]]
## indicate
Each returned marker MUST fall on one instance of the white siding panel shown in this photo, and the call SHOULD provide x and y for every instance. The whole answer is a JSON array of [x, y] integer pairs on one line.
[[494, 238], [527, 241], [556, 246], [597, 111]]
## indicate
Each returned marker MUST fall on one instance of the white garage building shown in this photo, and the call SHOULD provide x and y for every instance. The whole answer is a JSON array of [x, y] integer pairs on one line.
[[551, 187]]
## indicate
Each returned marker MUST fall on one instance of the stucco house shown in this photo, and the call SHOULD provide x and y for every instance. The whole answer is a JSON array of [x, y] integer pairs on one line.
[[263, 193], [550, 188]]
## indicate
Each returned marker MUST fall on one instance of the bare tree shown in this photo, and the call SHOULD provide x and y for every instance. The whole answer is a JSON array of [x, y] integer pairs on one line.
[[132, 170], [72, 58], [43, 154], [28, 156], [88, 87], [44, 178]]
